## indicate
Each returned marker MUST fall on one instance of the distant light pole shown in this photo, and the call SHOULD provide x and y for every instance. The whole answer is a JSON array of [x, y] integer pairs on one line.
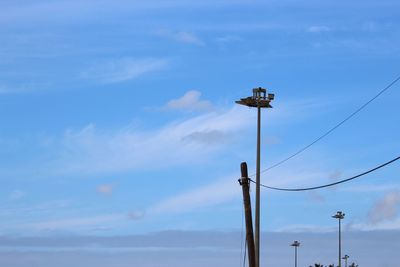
[[339, 215], [345, 257], [296, 244], [258, 100]]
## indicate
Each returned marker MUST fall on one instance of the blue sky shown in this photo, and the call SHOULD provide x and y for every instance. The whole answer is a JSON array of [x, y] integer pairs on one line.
[[118, 119]]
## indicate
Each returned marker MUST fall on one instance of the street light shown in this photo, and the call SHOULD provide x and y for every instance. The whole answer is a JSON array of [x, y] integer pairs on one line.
[[339, 215], [260, 99], [296, 244], [345, 257]]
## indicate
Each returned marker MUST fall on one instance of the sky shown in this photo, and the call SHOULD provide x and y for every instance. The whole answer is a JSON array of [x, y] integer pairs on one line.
[[121, 143]]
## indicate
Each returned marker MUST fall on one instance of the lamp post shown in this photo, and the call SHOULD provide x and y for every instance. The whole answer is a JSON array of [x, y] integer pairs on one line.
[[296, 244], [260, 99], [339, 215], [345, 257]]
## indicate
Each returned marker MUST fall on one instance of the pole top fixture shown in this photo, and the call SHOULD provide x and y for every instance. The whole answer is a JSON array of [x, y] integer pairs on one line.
[[295, 244], [339, 215], [260, 99]]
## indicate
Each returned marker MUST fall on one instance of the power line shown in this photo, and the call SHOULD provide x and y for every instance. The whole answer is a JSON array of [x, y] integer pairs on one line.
[[333, 128], [331, 184]]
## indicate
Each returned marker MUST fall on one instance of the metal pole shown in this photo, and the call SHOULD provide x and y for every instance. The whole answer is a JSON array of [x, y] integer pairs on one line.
[[339, 215], [257, 217], [245, 182], [340, 243], [258, 100]]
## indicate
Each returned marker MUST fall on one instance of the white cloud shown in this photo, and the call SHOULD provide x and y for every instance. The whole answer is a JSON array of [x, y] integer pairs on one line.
[[70, 223], [123, 69], [182, 37], [229, 39], [92, 150], [358, 226], [368, 188], [385, 209], [16, 194], [207, 137], [309, 228], [317, 29], [190, 101], [213, 194], [186, 37], [381, 225], [105, 189], [136, 215], [23, 87], [316, 197]]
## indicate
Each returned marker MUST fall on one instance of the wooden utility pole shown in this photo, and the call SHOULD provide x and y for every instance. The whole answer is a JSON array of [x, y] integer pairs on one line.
[[245, 183]]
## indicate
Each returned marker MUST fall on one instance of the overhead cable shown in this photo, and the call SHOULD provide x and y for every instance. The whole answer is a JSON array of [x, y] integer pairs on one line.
[[331, 184]]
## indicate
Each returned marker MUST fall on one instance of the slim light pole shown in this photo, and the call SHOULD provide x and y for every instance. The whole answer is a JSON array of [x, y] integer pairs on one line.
[[345, 257], [296, 244], [339, 215], [258, 100]]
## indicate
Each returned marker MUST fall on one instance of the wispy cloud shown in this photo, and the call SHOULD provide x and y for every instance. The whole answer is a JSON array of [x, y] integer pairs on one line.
[[105, 189], [123, 69], [16, 194], [136, 215], [94, 150], [309, 228], [393, 224], [70, 223], [229, 39], [190, 101], [318, 29], [385, 208], [207, 137], [316, 197], [24, 87], [209, 195], [91, 150], [182, 37], [368, 188]]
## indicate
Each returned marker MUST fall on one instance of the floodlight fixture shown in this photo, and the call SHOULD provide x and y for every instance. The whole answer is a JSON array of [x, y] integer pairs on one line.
[[339, 215], [295, 244]]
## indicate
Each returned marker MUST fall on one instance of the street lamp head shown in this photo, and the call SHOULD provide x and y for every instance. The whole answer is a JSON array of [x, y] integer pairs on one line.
[[339, 215], [295, 244], [259, 99], [345, 257], [271, 97]]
